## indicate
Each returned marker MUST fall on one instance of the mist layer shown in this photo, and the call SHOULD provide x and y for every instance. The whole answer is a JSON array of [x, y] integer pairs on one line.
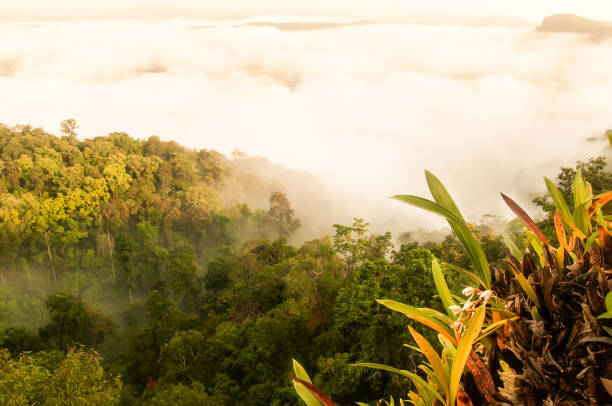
[[364, 107]]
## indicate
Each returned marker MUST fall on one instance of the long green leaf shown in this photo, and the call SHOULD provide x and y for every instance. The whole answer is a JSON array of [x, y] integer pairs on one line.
[[460, 228], [475, 251], [514, 250], [302, 391], [589, 193], [441, 195], [600, 218], [557, 197], [443, 317], [463, 351], [581, 217], [430, 373], [527, 288], [315, 391], [582, 201], [442, 287], [573, 227], [450, 348], [537, 246], [300, 372], [428, 205], [579, 189], [592, 238], [412, 376], [433, 358], [464, 271], [420, 316]]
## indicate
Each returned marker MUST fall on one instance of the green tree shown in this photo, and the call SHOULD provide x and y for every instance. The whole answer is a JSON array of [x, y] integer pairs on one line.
[[182, 395], [81, 380], [78, 379], [280, 216], [182, 275], [73, 322], [368, 332], [355, 245], [217, 276], [68, 127]]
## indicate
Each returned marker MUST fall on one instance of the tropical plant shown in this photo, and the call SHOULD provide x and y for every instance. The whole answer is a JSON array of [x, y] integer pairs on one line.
[[528, 333]]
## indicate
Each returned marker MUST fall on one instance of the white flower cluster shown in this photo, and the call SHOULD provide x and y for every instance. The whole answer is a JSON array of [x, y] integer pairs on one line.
[[483, 298]]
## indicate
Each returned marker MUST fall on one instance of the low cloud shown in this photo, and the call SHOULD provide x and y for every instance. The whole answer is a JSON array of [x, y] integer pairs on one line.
[[365, 108]]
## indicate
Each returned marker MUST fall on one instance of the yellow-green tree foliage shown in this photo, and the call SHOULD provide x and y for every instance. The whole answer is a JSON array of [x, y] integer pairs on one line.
[[78, 379]]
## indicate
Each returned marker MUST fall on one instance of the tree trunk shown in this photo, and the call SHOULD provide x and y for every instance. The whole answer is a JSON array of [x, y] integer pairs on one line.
[[110, 250], [50, 257]]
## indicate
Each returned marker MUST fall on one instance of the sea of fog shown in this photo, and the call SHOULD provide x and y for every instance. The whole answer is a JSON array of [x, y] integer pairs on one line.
[[364, 106]]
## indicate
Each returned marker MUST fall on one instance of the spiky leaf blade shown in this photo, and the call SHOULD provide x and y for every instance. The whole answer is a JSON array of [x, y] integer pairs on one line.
[[441, 195], [557, 197], [457, 223], [442, 287], [421, 316], [526, 286], [423, 387], [531, 225], [428, 205], [514, 250], [560, 230], [315, 391], [463, 351], [433, 358], [308, 398]]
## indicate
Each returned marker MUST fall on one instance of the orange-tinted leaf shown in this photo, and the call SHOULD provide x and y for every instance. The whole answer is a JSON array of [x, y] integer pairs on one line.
[[573, 226], [561, 257], [601, 201], [560, 230], [607, 383], [605, 238], [531, 225], [464, 348], [463, 399], [433, 358], [315, 391], [482, 377]]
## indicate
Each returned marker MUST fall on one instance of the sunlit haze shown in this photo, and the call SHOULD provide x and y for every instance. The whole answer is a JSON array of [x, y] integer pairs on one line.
[[364, 95]]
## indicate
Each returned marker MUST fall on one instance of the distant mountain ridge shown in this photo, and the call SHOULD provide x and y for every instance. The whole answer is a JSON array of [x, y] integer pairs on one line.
[[571, 23]]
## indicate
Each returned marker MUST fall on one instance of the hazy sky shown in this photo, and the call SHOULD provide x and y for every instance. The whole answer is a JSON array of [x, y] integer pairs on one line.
[[365, 108], [528, 9]]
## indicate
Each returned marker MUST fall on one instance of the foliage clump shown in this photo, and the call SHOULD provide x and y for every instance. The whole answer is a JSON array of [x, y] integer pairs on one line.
[[77, 378]]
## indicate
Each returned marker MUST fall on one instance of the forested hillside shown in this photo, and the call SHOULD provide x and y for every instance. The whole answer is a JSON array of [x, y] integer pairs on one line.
[[124, 269]]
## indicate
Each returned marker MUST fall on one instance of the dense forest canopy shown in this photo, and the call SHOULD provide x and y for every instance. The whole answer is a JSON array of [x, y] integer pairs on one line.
[[125, 248]]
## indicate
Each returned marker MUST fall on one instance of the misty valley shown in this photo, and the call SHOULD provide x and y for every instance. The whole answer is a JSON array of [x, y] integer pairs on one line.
[[127, 279]]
